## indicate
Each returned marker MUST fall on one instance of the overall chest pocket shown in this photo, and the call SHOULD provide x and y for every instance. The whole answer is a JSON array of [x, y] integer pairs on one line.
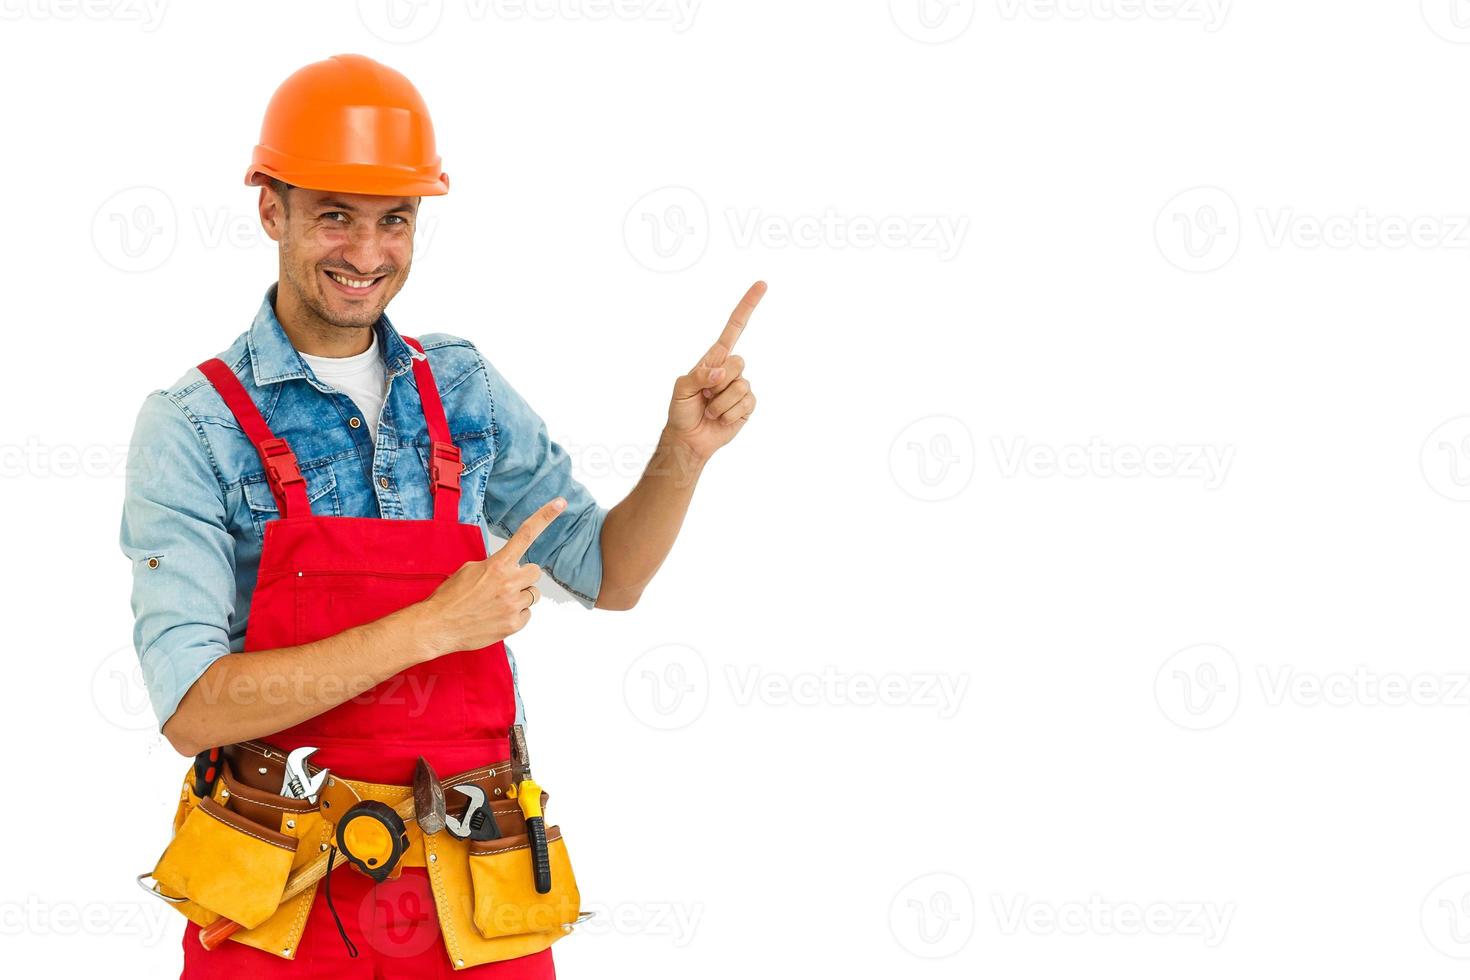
[[475, 455], [321, 492]]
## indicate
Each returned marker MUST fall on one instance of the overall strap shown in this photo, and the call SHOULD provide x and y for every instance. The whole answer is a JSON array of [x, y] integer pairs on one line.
[[287, 484], [444, 465]]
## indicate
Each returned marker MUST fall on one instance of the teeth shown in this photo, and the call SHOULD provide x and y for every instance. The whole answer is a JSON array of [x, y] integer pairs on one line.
[[355, 283]]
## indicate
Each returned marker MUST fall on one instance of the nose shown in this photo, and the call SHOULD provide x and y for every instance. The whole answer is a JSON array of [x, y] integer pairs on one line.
[[366, 250]]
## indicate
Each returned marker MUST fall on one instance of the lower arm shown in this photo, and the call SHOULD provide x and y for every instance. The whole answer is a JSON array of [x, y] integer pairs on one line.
[[639, 532], [248, 695]]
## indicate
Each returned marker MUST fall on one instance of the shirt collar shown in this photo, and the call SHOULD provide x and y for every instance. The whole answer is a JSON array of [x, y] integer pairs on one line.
[[273, 357]]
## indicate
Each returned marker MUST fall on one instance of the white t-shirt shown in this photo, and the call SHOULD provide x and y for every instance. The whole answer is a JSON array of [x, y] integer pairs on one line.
[[361, 377]]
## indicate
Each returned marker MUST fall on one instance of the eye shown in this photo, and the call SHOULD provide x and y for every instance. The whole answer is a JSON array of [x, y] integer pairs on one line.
[[398, 218], [339, 214]]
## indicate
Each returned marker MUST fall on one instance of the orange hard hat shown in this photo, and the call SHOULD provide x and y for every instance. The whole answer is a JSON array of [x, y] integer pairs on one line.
[[349, 124]]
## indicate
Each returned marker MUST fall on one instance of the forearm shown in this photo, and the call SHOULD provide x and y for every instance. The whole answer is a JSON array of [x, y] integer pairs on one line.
[[248, 695], [639, 533]]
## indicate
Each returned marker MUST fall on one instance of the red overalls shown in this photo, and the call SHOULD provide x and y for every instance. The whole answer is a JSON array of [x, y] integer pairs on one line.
[[320, 575]]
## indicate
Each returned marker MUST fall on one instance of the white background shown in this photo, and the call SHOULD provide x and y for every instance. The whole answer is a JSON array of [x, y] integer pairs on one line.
[[1157, 463]]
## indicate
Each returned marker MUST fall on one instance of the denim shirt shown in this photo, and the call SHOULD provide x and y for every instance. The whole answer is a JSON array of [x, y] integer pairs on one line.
[[196, 500]]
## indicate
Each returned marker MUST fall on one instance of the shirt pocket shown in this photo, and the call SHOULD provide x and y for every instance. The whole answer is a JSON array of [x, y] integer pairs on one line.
[[474, 453], [321, 492]]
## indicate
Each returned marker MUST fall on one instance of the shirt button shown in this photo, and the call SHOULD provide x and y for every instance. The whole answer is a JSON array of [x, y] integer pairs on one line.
[[355, 422], [383, 482]]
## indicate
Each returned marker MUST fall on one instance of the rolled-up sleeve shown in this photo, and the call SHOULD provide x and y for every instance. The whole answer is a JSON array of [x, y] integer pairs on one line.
[[529, 470], [174, 531]]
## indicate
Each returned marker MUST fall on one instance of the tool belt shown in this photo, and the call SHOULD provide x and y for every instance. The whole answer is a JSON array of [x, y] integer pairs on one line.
[[233, 852]]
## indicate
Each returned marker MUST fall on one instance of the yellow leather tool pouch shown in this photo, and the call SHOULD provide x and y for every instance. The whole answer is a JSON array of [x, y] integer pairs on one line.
[[226, 863], [505, 896]]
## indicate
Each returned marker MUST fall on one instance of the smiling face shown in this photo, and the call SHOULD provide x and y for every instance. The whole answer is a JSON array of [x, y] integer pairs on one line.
[[343, 256]]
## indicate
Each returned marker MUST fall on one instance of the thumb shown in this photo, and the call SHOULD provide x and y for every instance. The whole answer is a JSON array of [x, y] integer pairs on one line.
[[691, 384]]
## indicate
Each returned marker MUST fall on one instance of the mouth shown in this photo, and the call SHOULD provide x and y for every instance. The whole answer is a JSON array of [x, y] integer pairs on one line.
[[352, 286]]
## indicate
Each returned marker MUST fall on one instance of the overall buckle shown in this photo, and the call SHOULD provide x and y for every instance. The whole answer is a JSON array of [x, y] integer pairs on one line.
[[445, 465], [280, 463]]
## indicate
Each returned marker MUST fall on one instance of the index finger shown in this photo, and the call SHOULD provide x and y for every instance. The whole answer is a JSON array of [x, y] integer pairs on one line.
[[530, 530], [736, 324]]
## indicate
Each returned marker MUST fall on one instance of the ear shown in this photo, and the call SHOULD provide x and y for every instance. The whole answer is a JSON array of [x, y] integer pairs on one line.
[[272, 213]]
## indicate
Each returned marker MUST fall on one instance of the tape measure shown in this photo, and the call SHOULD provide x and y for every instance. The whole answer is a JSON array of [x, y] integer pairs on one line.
[[374, 838]]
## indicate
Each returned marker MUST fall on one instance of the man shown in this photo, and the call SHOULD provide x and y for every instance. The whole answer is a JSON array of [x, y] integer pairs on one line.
[[346, 153]]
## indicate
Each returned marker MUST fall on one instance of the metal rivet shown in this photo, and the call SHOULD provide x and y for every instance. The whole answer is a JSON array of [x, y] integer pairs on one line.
[[261, 770], [383, 482], [290, 824], [433, 858], [153, 563], [323, 847], [224, 794], [354, 421], [459, 962], [286, 951]]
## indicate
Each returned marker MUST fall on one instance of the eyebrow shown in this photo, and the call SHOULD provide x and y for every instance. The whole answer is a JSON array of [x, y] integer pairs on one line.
[[344, 206]]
